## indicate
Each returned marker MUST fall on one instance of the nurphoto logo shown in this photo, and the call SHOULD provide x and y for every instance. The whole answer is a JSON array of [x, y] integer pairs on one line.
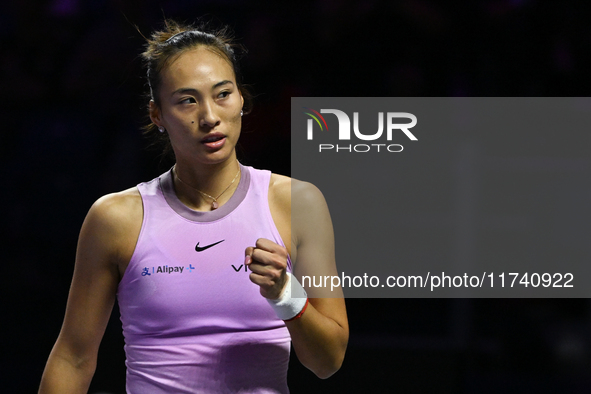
[[393, 125]]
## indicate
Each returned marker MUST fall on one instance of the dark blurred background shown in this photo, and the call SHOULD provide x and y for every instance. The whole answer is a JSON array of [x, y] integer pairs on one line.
[[72, 105]]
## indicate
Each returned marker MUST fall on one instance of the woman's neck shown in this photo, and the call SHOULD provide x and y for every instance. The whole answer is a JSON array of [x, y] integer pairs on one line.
[[205, 187]]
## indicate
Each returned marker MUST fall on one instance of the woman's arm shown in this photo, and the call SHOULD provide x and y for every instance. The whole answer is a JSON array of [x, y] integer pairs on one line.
[[103, 244], [321, 334]]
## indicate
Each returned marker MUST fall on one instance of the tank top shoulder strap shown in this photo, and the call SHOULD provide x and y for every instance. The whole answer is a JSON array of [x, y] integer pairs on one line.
[[260, 181]]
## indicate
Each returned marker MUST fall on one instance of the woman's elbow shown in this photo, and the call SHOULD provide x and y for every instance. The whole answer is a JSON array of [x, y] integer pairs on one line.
[[330, 366], [326, 370]]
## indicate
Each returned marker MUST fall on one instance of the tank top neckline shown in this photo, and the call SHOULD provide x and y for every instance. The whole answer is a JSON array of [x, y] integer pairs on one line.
[[167, 187]]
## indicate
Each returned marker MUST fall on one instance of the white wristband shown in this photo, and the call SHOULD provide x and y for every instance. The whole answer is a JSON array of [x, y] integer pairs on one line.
[[287, 306]]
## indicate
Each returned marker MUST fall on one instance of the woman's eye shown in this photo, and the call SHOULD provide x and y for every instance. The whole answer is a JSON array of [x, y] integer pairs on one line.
[[224, 94], [189, 100]]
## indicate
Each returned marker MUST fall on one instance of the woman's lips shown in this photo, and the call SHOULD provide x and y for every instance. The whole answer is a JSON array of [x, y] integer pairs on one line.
[[214, 141]]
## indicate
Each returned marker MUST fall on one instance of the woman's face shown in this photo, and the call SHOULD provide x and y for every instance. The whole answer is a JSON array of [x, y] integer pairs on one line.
[[200, 107]]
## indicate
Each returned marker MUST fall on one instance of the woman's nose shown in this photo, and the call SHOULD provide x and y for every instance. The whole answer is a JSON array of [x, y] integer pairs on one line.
[[208, 116]]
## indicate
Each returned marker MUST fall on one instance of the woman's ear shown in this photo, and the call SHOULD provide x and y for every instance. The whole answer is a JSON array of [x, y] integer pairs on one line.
[[155, 113]]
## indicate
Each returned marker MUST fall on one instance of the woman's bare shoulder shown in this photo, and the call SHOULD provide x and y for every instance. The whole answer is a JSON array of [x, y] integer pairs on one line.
[[288, 188], [119, 206], [290, 191], [112, 226], [116, 216]]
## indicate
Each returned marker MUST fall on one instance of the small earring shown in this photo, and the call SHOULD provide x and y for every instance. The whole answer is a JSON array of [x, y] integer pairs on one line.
[[161, 129], [241, 112]]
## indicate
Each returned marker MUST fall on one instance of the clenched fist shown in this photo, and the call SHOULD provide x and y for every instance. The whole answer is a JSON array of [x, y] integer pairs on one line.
[[267, 262]]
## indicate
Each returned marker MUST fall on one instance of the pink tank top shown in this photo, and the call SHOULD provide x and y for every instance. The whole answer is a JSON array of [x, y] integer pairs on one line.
[[193, 321]]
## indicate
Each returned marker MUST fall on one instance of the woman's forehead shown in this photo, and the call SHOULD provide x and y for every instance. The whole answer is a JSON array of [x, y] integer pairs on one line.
[[201, 63]]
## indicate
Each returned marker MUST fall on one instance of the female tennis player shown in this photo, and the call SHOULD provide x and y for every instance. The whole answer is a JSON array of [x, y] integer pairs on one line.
[[200, 258]]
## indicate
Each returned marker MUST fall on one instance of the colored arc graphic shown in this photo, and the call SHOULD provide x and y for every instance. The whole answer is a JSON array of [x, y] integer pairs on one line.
[[316, 119]]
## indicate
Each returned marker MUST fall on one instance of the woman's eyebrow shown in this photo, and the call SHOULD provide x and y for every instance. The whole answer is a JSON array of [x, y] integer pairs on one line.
[[195, 91], [222, 83], [185, 90]]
